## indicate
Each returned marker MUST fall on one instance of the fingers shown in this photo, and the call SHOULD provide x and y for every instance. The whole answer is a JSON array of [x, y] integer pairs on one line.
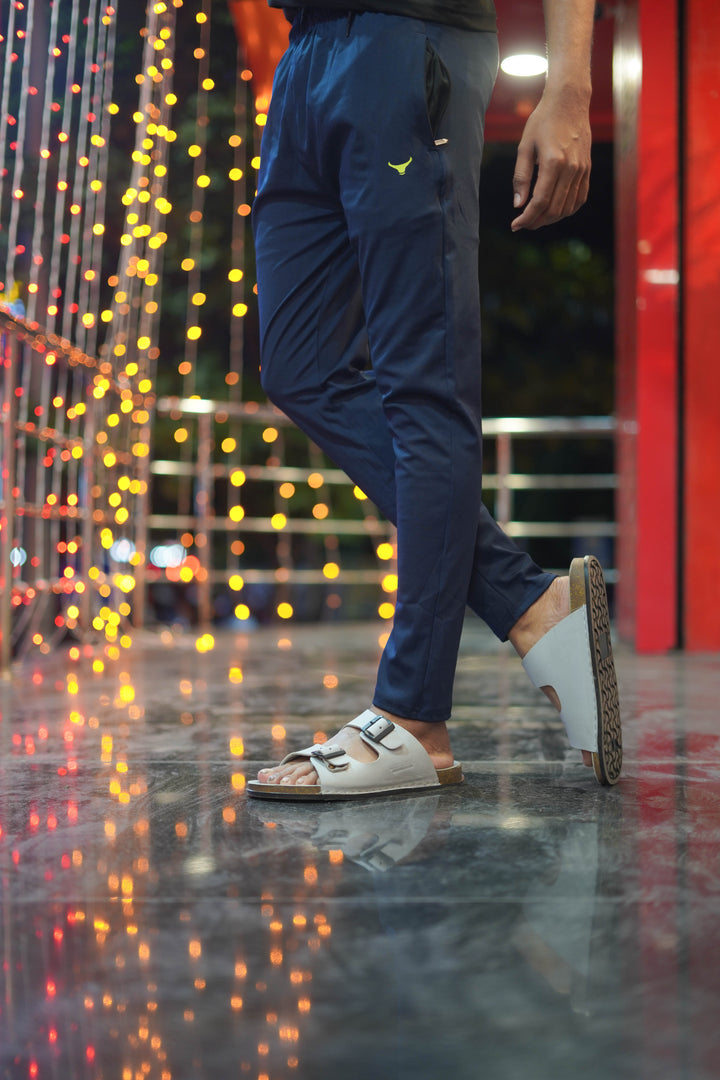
[[560, 190], [522, 177]]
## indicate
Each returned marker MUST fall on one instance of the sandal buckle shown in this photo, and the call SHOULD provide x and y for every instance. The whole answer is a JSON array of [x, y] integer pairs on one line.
[[326, 756], [377, 728]]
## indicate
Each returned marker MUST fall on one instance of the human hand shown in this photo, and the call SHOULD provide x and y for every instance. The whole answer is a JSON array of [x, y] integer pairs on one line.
[[556, 139]]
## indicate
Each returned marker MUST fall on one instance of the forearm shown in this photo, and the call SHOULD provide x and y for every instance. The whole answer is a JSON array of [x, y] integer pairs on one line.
[[569, 29]]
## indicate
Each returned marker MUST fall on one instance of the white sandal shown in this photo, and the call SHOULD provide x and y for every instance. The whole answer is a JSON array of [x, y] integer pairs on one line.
[[402, 764], [575, 659]]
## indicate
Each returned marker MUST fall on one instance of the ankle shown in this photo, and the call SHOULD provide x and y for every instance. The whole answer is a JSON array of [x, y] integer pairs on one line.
[[433, 735], [549, 608]]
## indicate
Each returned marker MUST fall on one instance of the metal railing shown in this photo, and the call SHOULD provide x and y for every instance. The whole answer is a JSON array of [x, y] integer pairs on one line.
[[208, 511]]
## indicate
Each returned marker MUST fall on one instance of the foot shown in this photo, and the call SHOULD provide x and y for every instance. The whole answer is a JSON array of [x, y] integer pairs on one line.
[[546, 612], [433, 737]]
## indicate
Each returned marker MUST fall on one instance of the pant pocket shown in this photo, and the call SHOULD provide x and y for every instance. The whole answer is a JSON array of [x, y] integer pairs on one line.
[[437, 88]]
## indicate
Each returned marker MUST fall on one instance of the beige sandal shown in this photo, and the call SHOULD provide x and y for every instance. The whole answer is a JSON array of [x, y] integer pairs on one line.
[[401, 765]]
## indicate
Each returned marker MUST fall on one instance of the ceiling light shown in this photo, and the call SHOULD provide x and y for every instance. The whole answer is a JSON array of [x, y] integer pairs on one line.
[[524, 64]]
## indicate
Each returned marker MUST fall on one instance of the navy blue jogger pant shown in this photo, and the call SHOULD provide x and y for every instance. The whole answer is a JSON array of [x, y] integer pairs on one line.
[[366, 232]]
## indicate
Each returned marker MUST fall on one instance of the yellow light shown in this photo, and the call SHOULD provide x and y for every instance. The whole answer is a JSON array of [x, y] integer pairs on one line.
[[316, 480], [235, 174], [239, 310], [384, 551], [390, 583], [235, 675], [331, 570], [237, 478], [236, 582], [235, 275], [228, 445], [359, 494], [278, 521], [237, 747], [236, 513], [270, 434], [386, 611], [194, 150], [199, 298], [285, 611], [203, 181], [181, 435], [242, 612], [238, 781], [194, 333]]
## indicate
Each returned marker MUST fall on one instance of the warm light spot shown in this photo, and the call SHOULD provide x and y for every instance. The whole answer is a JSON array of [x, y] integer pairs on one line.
[[331, 570], [384, 551], [330, 682], [237, 746], [386, 611], [235, 675], [390, 583], [242, 612], [278, 732], [310, 874], [238, 781], [284, 610], [278, 521], [270, 434], [320, 511]]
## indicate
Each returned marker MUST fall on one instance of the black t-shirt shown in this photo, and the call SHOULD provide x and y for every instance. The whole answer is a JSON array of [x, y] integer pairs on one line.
[[468, 14]]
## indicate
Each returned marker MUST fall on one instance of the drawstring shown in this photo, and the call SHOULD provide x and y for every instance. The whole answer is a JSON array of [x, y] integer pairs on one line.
[[350, 20]]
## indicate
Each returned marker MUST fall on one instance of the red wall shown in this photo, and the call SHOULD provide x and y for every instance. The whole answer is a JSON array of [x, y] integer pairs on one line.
[[701, 324], [647, 185]]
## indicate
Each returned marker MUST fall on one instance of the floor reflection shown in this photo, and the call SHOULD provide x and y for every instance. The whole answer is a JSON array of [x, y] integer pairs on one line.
[[156, 923]]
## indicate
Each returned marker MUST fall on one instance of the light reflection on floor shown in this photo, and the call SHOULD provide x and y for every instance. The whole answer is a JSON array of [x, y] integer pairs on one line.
[[156, 923]]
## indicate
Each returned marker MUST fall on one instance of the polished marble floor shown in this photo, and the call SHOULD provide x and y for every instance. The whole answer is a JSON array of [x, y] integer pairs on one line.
[[158, 924]]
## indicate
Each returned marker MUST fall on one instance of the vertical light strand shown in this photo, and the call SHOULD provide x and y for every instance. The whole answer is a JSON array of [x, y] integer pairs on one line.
[[5, 116], [198, 202], [54, 290], [16, 189], [70, 306], [38, 242], [106, 112], [193, 329], [238, 307], [239, 177], [89, 269]]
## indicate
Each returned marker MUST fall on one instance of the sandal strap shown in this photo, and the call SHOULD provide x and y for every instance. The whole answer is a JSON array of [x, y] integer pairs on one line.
[[400, 761], [562, 659]]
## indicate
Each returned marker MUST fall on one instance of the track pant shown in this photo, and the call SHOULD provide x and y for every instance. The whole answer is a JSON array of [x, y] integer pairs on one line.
[[366, 232]]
